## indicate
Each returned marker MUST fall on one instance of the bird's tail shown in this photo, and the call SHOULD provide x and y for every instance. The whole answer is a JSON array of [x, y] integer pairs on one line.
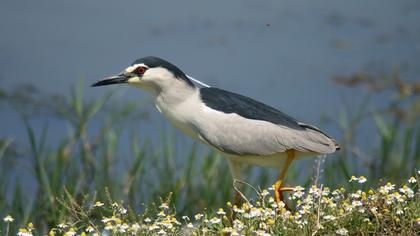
[[336, 144], [323, 139]]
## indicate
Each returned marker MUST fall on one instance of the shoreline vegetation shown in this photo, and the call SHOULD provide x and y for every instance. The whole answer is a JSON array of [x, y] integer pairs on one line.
[[387, 210], [76, 187]]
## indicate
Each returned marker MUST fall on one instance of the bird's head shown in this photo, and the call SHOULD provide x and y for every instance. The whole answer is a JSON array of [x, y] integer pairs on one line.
[[151, 73]]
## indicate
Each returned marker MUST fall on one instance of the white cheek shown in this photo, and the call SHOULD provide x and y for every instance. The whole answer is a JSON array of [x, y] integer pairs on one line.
[[133, 80]]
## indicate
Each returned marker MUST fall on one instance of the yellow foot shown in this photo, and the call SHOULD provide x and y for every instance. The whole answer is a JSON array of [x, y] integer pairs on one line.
[[278, 189]]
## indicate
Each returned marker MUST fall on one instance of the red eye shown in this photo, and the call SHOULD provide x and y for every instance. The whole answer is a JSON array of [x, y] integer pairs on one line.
[[140, 70]]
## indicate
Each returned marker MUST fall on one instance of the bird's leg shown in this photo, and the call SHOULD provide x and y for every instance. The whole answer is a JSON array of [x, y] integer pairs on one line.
[[236, 169], [278, 185]]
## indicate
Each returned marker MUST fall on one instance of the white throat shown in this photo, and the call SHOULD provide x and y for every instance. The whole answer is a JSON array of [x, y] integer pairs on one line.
[[174, 96]]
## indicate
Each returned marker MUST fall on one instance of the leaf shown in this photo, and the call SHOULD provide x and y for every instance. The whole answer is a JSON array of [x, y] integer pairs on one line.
[[4, 147], [97, 105], [383, 129]]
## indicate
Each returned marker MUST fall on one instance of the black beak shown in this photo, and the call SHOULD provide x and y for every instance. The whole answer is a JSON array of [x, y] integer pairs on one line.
[[118, 79]]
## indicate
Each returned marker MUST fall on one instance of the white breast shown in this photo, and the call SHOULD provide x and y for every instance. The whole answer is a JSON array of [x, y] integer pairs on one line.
[[181, 114]]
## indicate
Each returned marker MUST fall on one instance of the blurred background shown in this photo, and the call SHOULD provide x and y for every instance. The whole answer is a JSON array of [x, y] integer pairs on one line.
[[351, 68]]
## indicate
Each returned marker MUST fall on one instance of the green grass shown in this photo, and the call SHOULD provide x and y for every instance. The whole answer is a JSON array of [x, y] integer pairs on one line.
[[388, 210], [103, 159]]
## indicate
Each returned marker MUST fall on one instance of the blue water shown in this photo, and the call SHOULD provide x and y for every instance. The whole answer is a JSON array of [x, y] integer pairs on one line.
[[283, 53]]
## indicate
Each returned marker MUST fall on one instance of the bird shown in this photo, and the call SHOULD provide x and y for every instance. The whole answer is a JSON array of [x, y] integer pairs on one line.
[[243, 130]]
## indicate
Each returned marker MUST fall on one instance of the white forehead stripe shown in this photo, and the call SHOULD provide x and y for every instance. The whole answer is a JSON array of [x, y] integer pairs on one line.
[[131, 69]]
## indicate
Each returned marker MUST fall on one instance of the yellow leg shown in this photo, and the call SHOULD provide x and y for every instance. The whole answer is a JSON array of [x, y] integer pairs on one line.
[[278, 186]]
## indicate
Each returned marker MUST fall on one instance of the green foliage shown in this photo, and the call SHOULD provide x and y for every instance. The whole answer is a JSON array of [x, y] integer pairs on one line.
[[387, 210], [392, 151]]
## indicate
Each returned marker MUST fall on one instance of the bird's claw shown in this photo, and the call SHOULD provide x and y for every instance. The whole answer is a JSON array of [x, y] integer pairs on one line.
[[278, 189]]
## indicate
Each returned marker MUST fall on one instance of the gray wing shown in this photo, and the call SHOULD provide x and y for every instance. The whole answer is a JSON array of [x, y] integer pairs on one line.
[[249, 127], [228, 102]]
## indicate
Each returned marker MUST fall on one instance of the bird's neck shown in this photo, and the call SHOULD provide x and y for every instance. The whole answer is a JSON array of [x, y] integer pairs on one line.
[[174, 95]]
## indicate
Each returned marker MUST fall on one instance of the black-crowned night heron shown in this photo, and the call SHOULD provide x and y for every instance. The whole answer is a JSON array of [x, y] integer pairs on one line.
[[243, 130]]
